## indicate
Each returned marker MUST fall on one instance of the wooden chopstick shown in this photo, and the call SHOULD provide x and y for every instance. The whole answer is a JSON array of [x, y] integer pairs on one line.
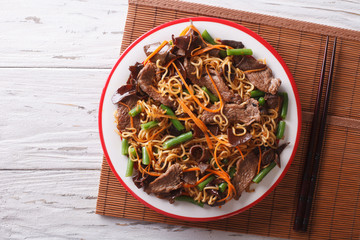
[[304, 188], [319, 144]]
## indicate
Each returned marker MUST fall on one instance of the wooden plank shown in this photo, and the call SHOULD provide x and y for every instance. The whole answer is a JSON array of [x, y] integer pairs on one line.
[[62, 33], [49, 118], [60, 205]]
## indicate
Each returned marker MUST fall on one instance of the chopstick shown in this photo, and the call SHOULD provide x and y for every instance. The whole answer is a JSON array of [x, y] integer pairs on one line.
[[311, 166], [319, 143], [300, 210]]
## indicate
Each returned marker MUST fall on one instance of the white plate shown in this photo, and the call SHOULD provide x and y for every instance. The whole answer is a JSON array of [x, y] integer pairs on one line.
[[111, 142]]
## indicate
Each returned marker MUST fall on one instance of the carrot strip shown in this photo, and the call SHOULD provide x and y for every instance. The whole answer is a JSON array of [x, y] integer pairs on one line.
[[240, 152], [196, 30], [255, 70], [155, 174], [217, 90], [195, 98], [149, 149], [191, 169], [185, 31], [200, 180], [170, 62], [156, 51], [206, 49], [157, 133], [227, 180], [198, 122], [259, 160], [231, 188], [186, 185]]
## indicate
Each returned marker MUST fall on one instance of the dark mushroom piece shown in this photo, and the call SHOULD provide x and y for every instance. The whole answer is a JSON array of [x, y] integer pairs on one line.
[[199, 153], [269, 155], [123, 92], [134, 71]]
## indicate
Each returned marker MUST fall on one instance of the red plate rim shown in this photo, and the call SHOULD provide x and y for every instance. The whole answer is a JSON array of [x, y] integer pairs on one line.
[[265, 44]]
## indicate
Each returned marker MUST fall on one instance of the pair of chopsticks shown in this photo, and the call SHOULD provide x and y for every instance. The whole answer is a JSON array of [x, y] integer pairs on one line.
[[312, 161]]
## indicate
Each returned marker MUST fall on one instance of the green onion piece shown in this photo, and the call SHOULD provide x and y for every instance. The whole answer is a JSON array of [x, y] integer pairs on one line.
[[240, 51], [284, 105], [125, 147], [178, 140], [212, 97], [189, 199], [177, 124], [185, 90], [135, 111], [145, 156], [222, 54], [206, 36], [148, 125], [223, 186], [263, 173], [232, 172], [261, 101], [133, 152], [129, 168], [256, 93], [280, 130], [201, 185]]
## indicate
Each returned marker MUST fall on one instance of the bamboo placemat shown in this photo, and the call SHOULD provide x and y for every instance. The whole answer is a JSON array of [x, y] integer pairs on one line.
[[335, 213]]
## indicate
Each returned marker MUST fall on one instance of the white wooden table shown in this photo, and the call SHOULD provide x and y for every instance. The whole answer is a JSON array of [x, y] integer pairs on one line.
[[54, 60]]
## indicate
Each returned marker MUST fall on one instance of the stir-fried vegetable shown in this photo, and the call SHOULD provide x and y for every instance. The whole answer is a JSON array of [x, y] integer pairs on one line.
[[178, 140], [135, 111], [149, 125], [284, 105], [177, 124], [206, 36], [261, 101], [280, 130], [223, 186], [145, 156], [240, 51], [203, 184], [129, 168], [256, 93], [263, 173], [232, 172], [125, 147], [133, 152], [212, 97]]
